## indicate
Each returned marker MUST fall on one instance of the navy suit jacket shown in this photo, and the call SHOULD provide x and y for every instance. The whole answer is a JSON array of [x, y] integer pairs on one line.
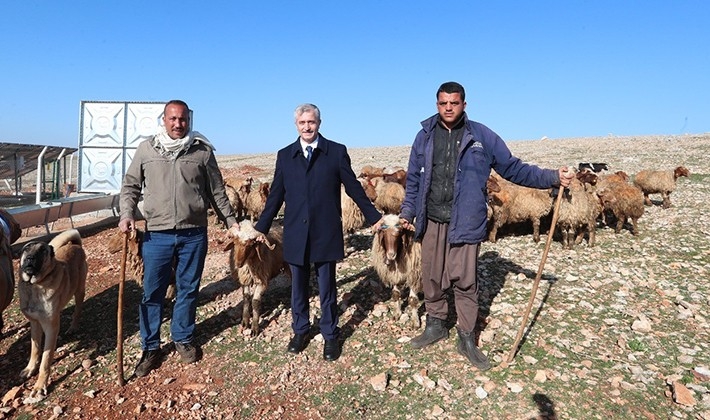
[[311, 191]]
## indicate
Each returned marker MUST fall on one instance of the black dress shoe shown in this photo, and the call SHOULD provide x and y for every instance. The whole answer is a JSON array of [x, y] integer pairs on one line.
[[331, 350], [297, 343]]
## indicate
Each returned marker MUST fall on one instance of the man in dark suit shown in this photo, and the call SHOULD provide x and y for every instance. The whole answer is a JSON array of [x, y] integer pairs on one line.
[[308, 176]]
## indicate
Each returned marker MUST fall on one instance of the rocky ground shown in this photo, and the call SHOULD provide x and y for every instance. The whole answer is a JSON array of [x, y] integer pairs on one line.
[[618, 330]]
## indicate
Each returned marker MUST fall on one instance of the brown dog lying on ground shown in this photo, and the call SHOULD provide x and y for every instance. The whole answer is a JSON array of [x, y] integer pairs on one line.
[[50, 274], [134, 257], [7, 275]]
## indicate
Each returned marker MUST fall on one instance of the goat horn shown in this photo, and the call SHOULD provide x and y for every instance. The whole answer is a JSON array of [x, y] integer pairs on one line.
[[268, 244]]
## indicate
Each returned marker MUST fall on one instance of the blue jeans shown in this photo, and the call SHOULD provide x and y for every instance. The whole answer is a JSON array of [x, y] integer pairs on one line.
[[188, 247]]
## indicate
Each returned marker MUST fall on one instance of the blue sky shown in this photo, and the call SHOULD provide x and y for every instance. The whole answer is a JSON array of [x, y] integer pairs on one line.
[[531, 69]]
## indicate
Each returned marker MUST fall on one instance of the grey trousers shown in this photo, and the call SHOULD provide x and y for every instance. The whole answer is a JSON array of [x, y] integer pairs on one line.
[[445, 266]]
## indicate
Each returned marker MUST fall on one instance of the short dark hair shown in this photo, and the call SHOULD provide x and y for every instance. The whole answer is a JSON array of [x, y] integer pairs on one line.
[[176, 102], [451, 87]]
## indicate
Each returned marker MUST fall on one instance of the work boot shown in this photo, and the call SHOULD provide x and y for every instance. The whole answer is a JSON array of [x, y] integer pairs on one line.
[[150, 359], [187, 352], [434, 331], [467, 347]]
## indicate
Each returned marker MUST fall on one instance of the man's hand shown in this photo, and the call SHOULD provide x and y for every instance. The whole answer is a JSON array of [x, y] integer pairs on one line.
[[406, 225], [127, 225], [566, 176]]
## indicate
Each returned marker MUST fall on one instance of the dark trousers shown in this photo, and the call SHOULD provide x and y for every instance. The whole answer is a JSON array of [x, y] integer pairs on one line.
[[300, 288], [445, 266]]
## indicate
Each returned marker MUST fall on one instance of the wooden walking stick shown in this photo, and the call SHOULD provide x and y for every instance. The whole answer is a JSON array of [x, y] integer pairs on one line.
[[119, 320], [555, 215]]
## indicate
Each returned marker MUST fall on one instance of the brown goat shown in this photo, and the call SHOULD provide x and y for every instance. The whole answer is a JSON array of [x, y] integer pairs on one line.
[[396, 258], [253, 264], [659, 182]]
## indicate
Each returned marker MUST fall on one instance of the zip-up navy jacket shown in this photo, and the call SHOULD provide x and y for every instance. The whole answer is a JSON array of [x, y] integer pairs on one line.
[[481, 149]]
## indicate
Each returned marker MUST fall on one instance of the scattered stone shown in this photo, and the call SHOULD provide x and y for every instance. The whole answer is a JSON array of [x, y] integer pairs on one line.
[[86, 363], [682, 395], [540, 376], [437, 411], [481, 393], [379, 382], [514, 387], [642, 325]]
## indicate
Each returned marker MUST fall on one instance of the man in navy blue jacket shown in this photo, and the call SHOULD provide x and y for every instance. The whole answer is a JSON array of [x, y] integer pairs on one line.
[[308, 176], [445, 198]]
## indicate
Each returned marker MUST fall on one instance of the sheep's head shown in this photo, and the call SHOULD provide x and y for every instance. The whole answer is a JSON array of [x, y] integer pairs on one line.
[[681, 171], [245, 244], [393, 238]]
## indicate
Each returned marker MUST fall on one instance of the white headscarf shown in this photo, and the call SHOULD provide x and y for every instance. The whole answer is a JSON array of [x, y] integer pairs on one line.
[[172, 147]]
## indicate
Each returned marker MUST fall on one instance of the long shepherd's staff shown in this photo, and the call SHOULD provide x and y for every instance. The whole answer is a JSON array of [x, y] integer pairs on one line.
[[119, 321], [555, 216]]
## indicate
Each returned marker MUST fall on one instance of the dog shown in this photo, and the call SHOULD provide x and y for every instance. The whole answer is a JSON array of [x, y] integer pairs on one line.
[[7, 274], [134, 257], [49, 275]]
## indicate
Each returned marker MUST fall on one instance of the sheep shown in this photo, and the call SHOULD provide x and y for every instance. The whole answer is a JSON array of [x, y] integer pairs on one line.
[[253, 264], [605, 182], [659, 182], [237, 189], [256, 201], [579, 210], [625, 201], [389, 195], [396, 258], [368, 172], [511, 203], [352, 216], [398, 175], [134, 257]]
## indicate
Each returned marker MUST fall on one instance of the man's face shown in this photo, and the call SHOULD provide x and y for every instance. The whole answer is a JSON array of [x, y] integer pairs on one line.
[[450, 107], [177, 120], [307, 125]]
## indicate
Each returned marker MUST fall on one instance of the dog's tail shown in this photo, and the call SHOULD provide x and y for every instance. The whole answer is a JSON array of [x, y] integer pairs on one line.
[[70, 236]]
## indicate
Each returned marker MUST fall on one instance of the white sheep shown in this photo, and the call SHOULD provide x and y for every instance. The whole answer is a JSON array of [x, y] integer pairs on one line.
[[659, 182], [253, 264], [396, 258]]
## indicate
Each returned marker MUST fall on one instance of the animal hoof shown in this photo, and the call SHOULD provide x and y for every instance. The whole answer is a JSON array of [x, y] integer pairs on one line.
[[35, 396]]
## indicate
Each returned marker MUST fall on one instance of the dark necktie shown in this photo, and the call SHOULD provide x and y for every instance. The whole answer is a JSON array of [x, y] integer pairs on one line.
[[309, 153]]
